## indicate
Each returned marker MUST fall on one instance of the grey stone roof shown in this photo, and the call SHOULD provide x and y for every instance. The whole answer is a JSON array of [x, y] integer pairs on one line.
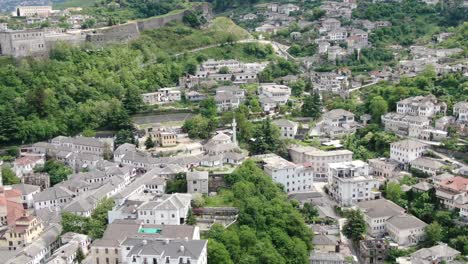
[[422, 186], [440, 251], [317, 257], [197, 175], [121, 229], [380, 208], [337, 113], [53, 193], [172, 202], [428, 163], [26, 188], [124, 148], [49, 216], [171, 248], [325, 240], [408, 144], [284, 123], [406, 221]]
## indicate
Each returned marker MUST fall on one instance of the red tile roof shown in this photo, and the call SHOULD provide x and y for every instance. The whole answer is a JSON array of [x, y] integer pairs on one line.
[[457, 183]]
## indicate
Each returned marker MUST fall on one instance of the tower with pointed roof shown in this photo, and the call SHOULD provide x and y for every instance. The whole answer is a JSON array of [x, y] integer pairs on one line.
[[234, 130]]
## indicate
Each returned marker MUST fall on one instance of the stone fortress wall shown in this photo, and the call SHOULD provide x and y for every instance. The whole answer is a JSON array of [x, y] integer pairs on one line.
[[38, 42]]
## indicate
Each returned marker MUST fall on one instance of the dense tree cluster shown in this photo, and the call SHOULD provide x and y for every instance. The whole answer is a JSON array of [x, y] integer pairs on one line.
[[8, 176], [370, 142], [112, 13], [280, 68], [93, 226], [411, 19], [87, 88], [269, 229], [425, 206], [355, 226], [57, 171]]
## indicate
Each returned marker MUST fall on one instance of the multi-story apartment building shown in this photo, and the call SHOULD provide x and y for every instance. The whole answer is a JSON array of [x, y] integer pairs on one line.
[[330, 24], [197, 182], [376, 214], [421, 106], [339, 34], [143, 251], [293, 177], [288, 128], [229, 98], [162, 96], [88, 145], [382, 167], [109, 248], [427, 165], [276, 92], [317, 160], [453, 192], [169, 210], [405, 125], [330, 82], [405, 229], [460, 111], [350, 182], [337, 123], [407, 150], [30, 11]]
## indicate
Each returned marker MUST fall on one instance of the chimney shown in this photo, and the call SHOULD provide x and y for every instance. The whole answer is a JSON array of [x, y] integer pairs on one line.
[[182, 248]]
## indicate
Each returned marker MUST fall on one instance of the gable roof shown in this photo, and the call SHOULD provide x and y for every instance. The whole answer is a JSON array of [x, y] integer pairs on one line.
[[380, 208], [406, 221]]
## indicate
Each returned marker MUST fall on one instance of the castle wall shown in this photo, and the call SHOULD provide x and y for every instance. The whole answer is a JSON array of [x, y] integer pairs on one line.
[[117, 33], [38, 42], [23, 43]]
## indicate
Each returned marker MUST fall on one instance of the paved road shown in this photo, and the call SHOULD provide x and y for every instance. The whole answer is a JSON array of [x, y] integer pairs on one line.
[[363, 86]]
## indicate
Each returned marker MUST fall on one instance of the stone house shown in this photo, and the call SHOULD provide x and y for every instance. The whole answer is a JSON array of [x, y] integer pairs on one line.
[[197, 182], [288, 129]]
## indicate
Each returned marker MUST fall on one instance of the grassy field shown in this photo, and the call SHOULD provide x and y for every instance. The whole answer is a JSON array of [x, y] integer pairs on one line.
[[73, 3], [223, 199], [178, 38]]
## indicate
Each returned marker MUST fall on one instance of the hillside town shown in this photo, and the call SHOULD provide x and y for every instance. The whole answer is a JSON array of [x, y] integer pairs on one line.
[[309, 133]]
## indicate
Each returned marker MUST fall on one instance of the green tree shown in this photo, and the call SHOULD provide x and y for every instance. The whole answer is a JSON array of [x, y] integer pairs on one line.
[[124, 136], [177, 185], [8, 176], [297, 87], [13, 152], [199, 127], [378, 107], [434, 234], [266, 138], [79, 255], [394, 193], [312, 106], [217, 253], [57, 171], [149, 143], [309, 211], [74, 223], [208, 108], [88, 132], [191, 220], [355, 225]]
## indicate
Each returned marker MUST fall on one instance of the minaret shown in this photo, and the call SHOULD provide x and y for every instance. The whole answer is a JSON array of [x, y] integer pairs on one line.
[[234, 131]]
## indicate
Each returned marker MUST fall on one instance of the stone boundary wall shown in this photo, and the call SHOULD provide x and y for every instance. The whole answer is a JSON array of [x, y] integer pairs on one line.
[[132, 30]]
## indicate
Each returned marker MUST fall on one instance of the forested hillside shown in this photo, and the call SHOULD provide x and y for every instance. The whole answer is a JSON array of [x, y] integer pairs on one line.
[[79, 88]]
